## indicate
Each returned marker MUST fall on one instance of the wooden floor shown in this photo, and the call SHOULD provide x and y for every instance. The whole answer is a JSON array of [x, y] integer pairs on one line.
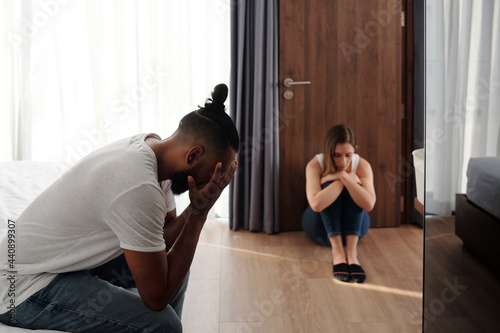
[[460, 294], [253, 282]]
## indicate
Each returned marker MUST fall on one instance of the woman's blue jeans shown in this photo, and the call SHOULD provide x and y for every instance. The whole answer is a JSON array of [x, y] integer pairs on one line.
[[95, 301], [343, 217]]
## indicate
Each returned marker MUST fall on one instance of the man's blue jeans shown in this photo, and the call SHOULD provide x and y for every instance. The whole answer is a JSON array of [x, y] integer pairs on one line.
[[94, 301], [343, 217]]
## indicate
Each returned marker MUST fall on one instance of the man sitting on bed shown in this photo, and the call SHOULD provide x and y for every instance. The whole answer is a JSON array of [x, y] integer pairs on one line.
[[101, 226]]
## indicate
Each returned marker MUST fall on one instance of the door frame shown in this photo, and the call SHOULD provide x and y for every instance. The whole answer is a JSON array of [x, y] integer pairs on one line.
[[407, 127]]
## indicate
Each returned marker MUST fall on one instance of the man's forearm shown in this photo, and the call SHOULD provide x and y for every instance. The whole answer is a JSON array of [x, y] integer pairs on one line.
[[180, 255]]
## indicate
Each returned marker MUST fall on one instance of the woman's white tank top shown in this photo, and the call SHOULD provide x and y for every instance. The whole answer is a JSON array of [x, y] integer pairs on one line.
[[354, 162]]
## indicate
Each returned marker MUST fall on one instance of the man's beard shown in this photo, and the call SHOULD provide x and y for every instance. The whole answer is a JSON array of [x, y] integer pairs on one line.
[[179, 182]]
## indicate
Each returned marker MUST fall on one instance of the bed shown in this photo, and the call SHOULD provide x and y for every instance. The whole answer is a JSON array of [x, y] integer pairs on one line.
[[477, 214], [20, 183]]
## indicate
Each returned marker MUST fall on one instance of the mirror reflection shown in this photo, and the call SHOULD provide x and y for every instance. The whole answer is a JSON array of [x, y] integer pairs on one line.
[[462, 225]]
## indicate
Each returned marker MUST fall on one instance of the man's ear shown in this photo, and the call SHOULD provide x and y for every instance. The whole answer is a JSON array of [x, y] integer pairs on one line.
[[194, 154]]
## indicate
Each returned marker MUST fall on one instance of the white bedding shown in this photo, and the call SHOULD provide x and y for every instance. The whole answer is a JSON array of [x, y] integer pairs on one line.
[[20, 183], [483, 183]]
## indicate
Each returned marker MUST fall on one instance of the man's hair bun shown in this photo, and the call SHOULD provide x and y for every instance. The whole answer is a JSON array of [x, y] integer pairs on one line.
[[219, 95], [211, 125]]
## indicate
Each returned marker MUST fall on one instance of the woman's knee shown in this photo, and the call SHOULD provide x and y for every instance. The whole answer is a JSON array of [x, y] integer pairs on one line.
[[313, 227]]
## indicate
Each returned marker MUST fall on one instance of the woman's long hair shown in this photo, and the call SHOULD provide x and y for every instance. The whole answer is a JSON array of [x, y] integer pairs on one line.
[[337, 134]]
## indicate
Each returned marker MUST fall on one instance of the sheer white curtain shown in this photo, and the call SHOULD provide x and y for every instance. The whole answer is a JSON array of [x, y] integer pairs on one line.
[[462, 92], [78, 74]]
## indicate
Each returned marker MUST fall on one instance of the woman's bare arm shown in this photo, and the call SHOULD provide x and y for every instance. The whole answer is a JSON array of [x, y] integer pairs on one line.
[[362, 194], [319, 198]]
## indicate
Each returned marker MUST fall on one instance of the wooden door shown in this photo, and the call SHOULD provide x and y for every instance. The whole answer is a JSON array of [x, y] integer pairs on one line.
[[351, 51]]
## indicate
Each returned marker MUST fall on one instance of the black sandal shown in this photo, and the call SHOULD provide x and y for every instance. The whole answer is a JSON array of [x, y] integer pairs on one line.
[[341, 272], [357, 273]]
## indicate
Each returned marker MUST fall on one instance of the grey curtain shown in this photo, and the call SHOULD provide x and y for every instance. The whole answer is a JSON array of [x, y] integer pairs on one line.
[[254, 97]]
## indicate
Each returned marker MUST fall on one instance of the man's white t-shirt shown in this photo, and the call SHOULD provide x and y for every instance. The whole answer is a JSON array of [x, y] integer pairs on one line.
[[108, 201]]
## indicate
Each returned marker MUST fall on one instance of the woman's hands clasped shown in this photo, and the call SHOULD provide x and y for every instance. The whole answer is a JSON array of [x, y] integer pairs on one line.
[[340, 175]]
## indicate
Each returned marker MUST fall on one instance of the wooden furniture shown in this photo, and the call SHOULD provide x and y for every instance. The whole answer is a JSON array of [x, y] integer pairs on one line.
[[479, 231]]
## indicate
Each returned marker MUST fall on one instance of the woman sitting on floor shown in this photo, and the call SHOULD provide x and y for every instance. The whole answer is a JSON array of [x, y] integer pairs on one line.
[[340, 192]]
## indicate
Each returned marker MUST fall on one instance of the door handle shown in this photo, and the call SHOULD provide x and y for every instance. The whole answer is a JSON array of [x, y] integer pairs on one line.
[[289, 82]]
